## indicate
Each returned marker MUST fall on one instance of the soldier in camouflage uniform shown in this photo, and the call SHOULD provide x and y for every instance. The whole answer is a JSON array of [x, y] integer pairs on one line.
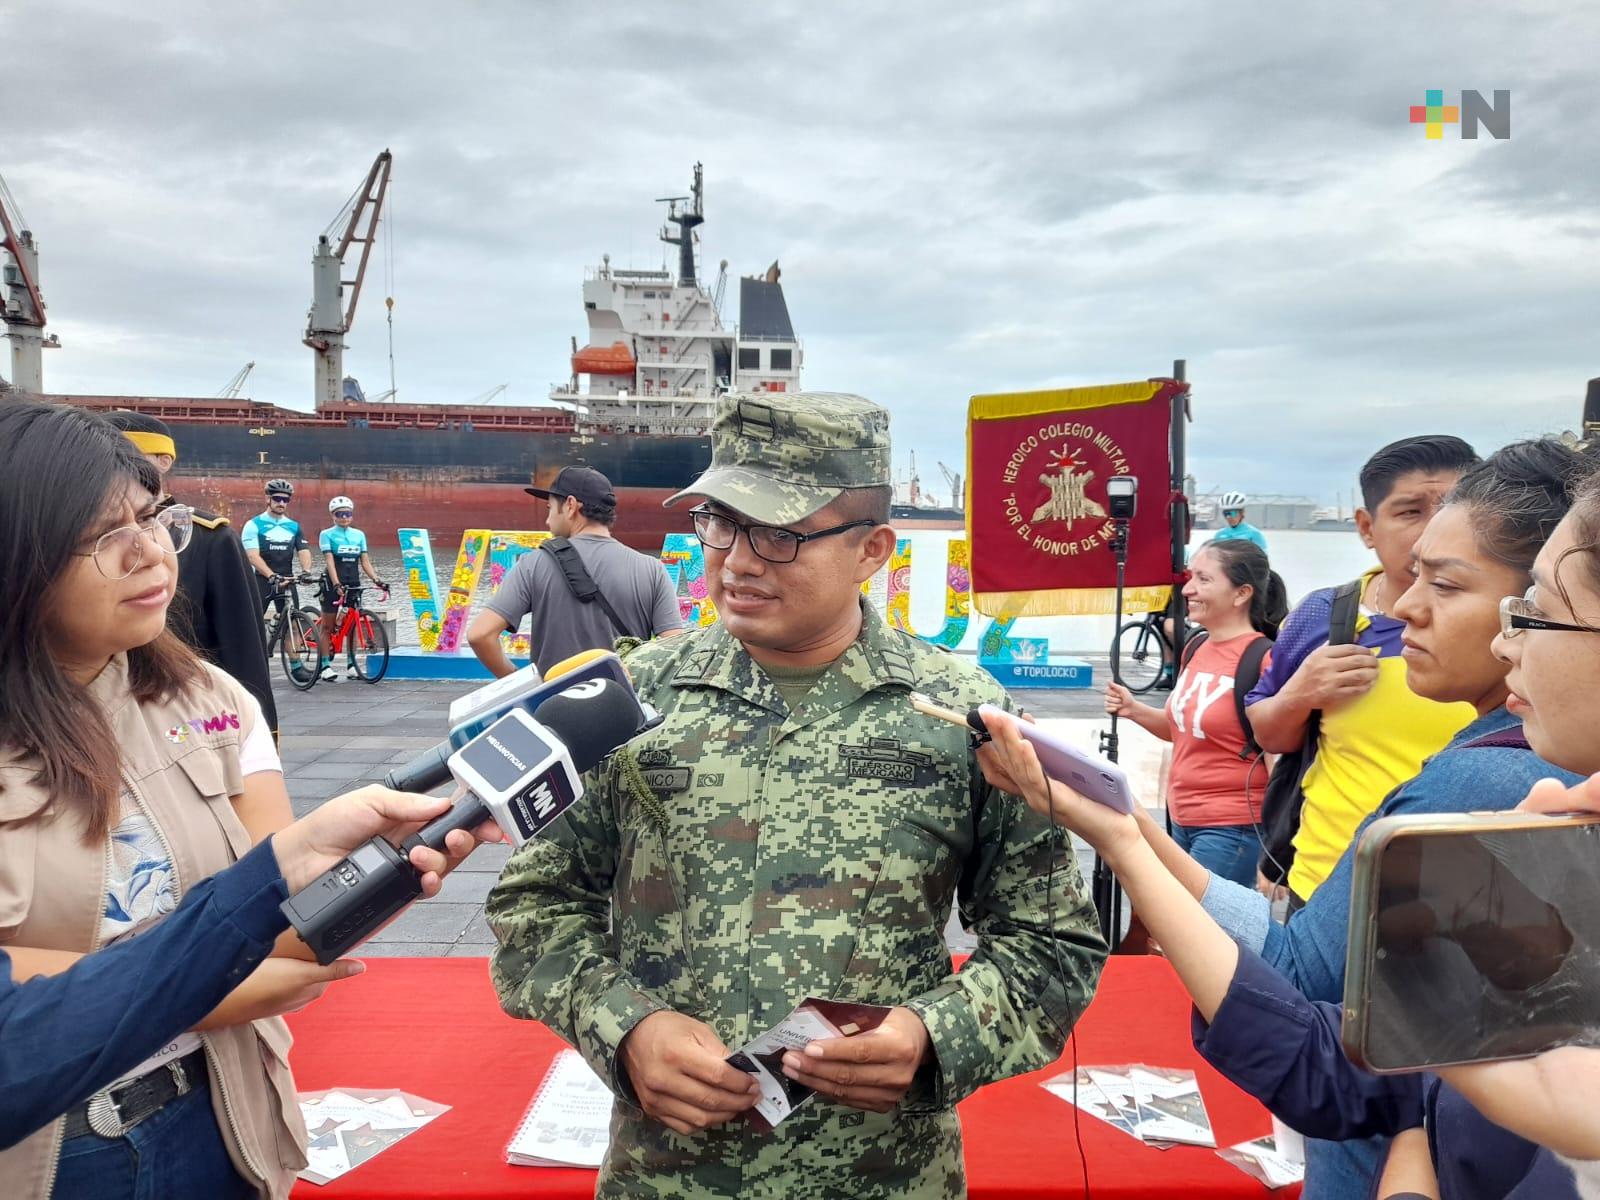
[[794, 827]]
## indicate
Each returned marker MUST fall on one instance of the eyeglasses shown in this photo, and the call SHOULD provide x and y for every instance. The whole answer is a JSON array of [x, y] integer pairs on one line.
[[1233, 512], [717, 532], [1519, 612], [343, 514], [278, 499], [119, 552]]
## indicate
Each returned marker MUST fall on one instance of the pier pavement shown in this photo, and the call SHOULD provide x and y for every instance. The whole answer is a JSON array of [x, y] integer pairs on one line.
[[341, 735]]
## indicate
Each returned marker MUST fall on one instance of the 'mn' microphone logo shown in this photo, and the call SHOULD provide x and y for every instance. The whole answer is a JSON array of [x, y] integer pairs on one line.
[[542, 800], [545, 799]]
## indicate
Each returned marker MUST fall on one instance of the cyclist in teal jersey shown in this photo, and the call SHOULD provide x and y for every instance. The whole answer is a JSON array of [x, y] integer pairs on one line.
[[344, 551], [1237, 526], [273, 540]]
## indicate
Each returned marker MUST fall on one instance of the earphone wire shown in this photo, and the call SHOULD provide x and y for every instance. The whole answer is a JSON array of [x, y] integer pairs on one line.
[[1061, 834]]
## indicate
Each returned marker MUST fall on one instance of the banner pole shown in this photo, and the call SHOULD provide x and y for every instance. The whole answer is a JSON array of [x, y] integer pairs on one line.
[[1105, 890], [1177, 610]]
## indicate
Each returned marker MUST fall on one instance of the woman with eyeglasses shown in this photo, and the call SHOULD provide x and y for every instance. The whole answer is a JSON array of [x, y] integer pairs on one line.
[[130, 769], [1253, 982]]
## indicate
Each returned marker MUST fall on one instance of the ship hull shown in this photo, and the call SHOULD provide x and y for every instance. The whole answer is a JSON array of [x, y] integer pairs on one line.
[[445, 509], [442, 480]]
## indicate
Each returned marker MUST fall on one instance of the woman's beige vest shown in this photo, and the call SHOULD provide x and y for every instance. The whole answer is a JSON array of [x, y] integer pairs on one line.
[[180, 762]]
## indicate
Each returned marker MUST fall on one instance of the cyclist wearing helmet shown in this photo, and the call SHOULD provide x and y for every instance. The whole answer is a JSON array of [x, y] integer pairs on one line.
[[1238, 527], [272, 541], [344, 552]]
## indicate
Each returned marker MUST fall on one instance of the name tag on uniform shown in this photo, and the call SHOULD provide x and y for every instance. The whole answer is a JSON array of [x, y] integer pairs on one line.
[[887, 759]]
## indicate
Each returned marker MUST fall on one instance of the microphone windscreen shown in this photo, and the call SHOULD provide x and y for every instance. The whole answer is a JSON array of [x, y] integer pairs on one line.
[[572, 662], [592, 719]]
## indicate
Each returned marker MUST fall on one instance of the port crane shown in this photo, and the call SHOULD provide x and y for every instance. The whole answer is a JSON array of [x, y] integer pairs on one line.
[[231, 389], [333, 311], [958, 498], [21, 303]]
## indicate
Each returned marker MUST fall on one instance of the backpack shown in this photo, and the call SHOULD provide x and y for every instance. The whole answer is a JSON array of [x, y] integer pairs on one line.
[[1245, 678], [582, 584], [1284, 797]]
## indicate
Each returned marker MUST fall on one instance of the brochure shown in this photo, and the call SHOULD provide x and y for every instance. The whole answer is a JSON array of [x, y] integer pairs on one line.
[[348, 1126], [811, 1020]]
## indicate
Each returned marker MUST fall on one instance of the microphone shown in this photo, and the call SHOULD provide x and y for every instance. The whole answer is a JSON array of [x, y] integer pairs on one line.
[[522, 772], [471, 714]]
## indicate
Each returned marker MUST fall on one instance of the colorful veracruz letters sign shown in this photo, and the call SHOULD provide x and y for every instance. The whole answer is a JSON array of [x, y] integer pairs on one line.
[[441, 625]]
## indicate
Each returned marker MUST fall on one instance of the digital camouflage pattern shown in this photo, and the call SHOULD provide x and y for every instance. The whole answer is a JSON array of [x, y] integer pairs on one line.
[[777, 457], [741, 856]]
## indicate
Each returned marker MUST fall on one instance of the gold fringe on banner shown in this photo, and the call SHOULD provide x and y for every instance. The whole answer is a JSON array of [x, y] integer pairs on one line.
[[1002, 405], [1070, 602]]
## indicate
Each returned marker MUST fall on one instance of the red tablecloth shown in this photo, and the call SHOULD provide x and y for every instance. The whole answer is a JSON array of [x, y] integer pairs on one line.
[[432, 1027]]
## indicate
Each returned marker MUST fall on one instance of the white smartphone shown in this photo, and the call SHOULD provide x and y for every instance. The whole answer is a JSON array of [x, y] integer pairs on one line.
[[1089, 774]]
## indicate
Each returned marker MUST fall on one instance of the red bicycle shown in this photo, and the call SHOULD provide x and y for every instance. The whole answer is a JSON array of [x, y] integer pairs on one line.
[[359, 634]]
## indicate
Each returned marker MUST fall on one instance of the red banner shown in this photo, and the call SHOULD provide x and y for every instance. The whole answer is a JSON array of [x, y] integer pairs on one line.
[[1037, 465]]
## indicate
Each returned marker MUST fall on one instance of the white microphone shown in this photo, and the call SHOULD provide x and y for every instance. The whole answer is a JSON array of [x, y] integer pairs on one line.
[[522, 772]]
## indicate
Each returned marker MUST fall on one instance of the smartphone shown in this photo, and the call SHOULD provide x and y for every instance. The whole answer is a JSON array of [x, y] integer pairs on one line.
[[1090, 775], [1473, 937]]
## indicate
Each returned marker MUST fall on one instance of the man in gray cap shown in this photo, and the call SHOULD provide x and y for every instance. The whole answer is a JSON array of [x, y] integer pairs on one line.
[[583, 588], [795, 828]]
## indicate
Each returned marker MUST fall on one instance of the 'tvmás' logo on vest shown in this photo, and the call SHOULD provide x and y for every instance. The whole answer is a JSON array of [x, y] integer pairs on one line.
[[218, 723]]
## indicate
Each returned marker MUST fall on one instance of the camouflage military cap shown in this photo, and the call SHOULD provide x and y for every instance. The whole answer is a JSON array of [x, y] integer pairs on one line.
[[778, 457]]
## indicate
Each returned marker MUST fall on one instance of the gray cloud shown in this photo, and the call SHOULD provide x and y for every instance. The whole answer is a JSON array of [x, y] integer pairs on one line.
[[1013, 196]]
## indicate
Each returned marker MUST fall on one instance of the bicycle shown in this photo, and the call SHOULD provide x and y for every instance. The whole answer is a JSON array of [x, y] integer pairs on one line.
[[293, 632], [360, 633], [1141, 653]]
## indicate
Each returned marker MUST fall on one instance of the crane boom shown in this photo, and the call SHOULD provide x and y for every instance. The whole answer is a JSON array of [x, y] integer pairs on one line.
[[21, 302], [231, 389], [331, 316], [953, 479]]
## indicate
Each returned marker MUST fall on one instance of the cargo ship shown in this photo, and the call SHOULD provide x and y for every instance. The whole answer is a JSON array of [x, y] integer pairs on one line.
[[637, 406]]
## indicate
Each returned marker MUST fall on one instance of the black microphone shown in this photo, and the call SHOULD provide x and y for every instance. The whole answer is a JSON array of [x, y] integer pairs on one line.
[[522, 772], [471, 714]]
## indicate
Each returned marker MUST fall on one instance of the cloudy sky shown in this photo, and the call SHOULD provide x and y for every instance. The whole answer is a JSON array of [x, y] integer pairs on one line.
[[964, 198]]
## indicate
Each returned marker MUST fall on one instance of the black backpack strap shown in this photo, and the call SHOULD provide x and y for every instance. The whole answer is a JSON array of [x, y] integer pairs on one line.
[[581, 582], [1190, 647], [1246, 676], [1285, 795], [1346, 608]]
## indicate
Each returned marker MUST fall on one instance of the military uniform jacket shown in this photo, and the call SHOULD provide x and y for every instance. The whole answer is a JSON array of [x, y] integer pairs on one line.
[[740, 857], [218, 610]]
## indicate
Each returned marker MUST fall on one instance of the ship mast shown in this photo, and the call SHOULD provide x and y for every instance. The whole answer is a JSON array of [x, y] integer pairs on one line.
[[685, 219], [21, 303], [330, 318]]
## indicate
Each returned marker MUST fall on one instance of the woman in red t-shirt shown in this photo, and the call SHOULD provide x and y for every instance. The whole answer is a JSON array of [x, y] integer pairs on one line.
[[1214, 789]]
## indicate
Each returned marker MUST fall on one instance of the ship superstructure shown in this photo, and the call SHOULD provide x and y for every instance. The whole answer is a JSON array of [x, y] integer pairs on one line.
[[658, 354]]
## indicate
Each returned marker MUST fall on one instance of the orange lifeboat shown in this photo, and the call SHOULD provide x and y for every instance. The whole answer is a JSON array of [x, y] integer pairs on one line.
[[615, 359]]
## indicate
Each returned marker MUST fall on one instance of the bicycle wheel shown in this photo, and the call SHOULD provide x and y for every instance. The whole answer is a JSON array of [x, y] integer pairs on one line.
[[1139, 654], [300, 648], [369, 646]]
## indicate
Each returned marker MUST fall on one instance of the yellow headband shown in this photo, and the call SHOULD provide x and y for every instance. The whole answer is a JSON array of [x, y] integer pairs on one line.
[[152, 443]]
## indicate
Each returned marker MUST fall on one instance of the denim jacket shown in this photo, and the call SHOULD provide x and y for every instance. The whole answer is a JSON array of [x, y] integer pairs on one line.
[[1310, 950], [1284, 1050], [63, 1036]]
